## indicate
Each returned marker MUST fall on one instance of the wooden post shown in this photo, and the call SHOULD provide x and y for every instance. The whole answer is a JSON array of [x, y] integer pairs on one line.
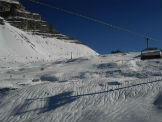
[[71, 55], [147, 42]]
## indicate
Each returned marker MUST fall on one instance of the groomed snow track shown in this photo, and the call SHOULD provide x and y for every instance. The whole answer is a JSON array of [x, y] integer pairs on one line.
[[110, 88]]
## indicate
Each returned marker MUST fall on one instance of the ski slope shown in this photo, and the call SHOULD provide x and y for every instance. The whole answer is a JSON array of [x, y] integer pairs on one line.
[[103, 88], [19, 46]]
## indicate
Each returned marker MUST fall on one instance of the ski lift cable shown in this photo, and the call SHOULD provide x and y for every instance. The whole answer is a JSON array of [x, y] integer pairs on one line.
[[94, 20]]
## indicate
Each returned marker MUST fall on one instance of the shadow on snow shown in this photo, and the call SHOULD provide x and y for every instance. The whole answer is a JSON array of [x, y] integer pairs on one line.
[[59, 100], [52, 103], [64, 98], [117, 89]]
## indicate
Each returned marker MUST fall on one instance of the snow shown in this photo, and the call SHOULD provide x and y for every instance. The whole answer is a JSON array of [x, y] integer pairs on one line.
[[18, 17], [17, 45], [103, 88], [11, 1], [20, 11]]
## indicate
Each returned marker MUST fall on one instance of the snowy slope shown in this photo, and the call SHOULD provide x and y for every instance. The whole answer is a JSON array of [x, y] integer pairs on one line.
[[109, 88], [17, 45]]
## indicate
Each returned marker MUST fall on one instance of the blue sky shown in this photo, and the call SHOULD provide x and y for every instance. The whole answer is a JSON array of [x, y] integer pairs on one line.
[[142, 16]]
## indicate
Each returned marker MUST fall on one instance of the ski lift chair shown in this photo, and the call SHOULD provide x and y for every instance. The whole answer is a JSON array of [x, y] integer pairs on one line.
[[151, 53]]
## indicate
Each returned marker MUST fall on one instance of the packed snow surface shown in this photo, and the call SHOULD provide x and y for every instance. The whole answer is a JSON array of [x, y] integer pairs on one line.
[[103, 88]]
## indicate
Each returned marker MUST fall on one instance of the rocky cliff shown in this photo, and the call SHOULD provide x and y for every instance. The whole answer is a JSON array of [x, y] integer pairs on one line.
[[14, 13]]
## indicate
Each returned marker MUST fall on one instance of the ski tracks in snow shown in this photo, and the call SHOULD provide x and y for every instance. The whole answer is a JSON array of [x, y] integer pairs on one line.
[[86, 94]]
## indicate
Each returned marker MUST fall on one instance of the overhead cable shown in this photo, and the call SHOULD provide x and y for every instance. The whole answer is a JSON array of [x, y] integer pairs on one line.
[[93, 19]]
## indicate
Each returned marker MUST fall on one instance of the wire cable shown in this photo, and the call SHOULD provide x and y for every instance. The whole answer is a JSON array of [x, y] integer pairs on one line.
[[93, 19]]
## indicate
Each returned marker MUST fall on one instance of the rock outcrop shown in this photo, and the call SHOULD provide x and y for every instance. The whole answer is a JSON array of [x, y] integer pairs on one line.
[[14, 13]]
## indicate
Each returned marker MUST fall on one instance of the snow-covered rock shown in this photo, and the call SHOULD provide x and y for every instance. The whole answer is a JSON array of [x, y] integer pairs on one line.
[[11, 1]]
